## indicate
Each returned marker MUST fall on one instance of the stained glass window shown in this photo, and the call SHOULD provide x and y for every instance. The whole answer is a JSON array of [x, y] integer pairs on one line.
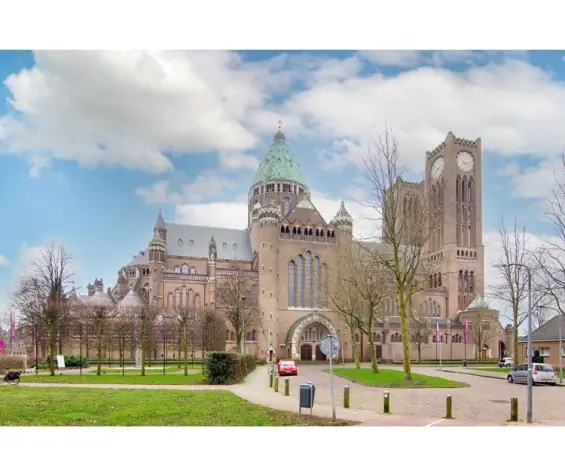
[[190, 298], [299, 281], [197, 300], [307, 276], [183, 299], [291, 284], [315, 282], [177, 298], [170, 301]]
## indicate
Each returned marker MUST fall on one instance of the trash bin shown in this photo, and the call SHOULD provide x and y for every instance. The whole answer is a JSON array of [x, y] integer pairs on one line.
[[464, 363], [307, 395]]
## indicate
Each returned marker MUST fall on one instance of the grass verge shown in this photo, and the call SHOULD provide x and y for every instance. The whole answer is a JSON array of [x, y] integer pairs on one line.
[[150, 379], [21, 406], [389, 378]]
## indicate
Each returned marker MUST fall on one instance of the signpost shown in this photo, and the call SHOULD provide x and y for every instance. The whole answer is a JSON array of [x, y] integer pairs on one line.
[[329, 346], [60, 361]]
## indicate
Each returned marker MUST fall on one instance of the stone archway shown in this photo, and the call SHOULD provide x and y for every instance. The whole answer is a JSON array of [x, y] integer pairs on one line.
[[300, 325]]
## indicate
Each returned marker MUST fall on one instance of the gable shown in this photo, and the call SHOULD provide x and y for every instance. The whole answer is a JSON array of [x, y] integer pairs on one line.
[[305, 214]]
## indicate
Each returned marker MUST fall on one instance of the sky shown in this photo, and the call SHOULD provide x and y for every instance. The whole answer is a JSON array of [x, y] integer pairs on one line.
[[94, 143]]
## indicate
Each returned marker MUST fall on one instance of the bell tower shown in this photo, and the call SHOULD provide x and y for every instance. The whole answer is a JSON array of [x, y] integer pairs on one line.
[[454, 191]]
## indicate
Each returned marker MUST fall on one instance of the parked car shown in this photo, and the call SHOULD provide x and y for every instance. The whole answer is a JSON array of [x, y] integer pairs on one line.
[[506, 362], [542, 374], [287, 367]]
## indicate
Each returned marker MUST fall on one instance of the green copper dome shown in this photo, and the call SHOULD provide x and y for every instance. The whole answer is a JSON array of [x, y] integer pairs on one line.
[[478, 302], [279, 163]]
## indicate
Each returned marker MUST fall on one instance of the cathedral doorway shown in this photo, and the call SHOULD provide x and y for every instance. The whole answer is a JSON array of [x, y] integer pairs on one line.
[[305, 352], [485, 352], [319, 355]]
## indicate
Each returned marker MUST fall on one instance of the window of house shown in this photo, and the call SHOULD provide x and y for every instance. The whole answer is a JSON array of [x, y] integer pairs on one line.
[[562, 351], [544, 351]]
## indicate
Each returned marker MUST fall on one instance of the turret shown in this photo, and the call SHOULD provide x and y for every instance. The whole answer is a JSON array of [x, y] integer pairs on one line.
[[160, 227], [342, 220]]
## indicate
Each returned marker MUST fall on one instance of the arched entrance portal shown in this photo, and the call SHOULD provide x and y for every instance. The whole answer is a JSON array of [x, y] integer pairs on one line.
[[501, 350], [309, 330], [306, 352], [485, 352]]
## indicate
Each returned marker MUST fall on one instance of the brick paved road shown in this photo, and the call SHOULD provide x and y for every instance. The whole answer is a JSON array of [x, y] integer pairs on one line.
[[486, 400]]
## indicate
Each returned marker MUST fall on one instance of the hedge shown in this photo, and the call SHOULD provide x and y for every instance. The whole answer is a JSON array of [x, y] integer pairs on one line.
[[225, 368], [13, 363]]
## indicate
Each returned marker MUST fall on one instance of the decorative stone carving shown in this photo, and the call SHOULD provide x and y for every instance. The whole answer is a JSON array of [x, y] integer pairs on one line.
[[315, 317], [212, 250]]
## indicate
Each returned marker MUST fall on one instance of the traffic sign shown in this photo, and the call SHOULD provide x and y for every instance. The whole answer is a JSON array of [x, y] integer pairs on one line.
[[329, 345]]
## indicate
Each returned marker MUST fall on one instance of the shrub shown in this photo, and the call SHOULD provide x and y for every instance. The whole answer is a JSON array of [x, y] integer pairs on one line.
[[13, 363], [76, 361], [224, 368]]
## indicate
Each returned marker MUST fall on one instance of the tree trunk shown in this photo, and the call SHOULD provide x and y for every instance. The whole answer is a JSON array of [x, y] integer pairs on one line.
[[515, 334], [405, 335], [419, 347], [179, 346], [52, 347], [143, 346], [99, 347], [185, 352], [355, 350], [374, 364]]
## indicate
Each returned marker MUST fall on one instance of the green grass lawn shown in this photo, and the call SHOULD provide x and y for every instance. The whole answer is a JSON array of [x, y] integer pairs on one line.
[[503, 370], [388, 378], [150, 379], [21, 406]]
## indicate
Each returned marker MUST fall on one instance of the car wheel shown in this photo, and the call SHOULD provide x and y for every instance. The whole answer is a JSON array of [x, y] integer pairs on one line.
[[510, 379], [500, 365]]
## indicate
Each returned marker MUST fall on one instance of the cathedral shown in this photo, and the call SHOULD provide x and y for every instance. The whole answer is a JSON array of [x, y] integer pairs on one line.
[[285, 254]]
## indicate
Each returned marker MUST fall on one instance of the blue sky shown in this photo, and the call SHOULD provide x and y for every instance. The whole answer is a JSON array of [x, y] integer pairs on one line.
[[93, 144]]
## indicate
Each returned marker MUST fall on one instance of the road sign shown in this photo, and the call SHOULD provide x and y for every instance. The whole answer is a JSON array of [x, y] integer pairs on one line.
[[329, 345]]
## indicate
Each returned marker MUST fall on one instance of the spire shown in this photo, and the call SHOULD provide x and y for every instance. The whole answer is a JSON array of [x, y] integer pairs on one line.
[[342, 218], [279, 136], [160, 224]]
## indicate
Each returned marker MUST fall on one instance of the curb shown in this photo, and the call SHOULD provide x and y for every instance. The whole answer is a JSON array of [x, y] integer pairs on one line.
[[558, 385]]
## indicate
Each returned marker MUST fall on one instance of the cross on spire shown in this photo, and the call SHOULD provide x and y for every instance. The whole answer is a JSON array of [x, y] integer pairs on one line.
[[280, 134]]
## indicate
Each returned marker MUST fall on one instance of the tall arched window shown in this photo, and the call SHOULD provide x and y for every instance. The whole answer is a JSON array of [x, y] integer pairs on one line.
[[299, 266], [190, 298], [286, 207], [316, 280], [177, 298], [324, 288], [183, 297], [170, 301], [184, 269], [291, 276], [197, 300], [177, 269], [307, 278]]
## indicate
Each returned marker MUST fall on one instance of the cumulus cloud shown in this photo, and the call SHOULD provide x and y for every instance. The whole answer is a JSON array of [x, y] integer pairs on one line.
[[206, 185]]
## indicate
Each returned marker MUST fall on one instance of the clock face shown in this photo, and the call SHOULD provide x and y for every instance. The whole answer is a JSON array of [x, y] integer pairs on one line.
[[437, 167], [465, 161]]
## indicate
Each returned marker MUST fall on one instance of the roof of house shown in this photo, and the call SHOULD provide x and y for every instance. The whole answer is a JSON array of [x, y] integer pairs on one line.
[[549, 331]]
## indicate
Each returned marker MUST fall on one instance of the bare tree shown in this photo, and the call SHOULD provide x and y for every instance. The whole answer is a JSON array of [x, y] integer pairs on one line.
[[146, 316], [237, 301], [408, 223], [420, 329], [512, 290], [4, 324], [212, 326], [42, 297], [344, 296], [100, 317], [482, 330], [187, 320]]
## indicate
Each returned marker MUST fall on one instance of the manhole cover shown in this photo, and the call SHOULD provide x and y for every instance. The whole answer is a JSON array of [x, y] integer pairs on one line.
[[500, 401]]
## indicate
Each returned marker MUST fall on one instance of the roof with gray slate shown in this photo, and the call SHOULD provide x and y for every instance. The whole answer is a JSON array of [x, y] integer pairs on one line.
[[193, 241], [141, 259], [549, 331]]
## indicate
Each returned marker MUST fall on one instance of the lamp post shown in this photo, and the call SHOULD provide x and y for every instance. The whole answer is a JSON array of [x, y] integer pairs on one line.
[[530, 353]]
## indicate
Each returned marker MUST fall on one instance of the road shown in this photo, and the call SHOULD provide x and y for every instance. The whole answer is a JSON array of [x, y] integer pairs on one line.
[[486, 400]]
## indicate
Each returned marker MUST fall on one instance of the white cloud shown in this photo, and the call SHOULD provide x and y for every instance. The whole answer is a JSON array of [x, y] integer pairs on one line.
[[4, 262], [126, 108], [207, 184]]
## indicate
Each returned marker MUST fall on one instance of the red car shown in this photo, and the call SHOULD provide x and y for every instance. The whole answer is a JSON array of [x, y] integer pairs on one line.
[[287, 367]]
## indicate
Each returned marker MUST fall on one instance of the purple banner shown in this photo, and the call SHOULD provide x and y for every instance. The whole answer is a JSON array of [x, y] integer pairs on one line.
[[2, 347]]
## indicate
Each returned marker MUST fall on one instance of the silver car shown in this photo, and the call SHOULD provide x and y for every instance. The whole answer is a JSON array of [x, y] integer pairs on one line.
[[542, 374]]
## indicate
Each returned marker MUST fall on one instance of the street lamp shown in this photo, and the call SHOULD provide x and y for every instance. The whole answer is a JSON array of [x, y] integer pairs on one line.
[[530, 353]]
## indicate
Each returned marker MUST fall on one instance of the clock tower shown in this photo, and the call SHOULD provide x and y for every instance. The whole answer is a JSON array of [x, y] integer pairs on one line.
[[453, 185]]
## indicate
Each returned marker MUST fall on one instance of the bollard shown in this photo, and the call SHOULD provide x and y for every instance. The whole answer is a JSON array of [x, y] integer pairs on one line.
[[514, 409], [277, 384], [270, 380], [287, 386], [346, 397], [387, 403], [448, 408]]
